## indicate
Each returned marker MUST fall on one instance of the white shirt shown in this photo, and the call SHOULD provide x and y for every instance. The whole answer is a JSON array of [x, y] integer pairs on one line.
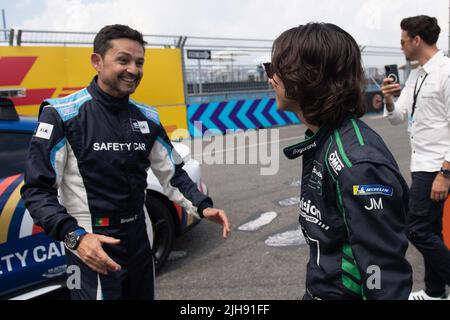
[[429, 128]]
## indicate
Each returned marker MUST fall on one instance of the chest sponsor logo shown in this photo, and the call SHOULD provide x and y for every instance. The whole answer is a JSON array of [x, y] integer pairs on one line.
[[140, 126], [311, 213], [143, 127], [44, 130], [317, 173], [315, 180], [117, 147], [372, 189], [135, 125], [335, 162]]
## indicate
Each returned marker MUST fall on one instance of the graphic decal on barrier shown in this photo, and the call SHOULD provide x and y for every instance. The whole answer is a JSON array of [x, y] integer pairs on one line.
[[237, 114]]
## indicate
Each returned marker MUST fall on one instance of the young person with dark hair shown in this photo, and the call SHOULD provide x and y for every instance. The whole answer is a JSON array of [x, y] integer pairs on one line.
[[425, 104], [86, 174], [353, 197]]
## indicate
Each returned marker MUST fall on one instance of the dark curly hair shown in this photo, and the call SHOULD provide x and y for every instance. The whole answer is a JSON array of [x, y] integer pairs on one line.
[[423, 26], [320, 66], [116, 31]]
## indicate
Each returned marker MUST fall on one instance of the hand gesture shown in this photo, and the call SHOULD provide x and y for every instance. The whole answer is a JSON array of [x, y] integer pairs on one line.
[[218, 216], [92, 254]]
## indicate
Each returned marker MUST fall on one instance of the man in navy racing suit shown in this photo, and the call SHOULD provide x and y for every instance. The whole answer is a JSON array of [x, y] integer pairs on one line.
[[86, 174], [353, 198]]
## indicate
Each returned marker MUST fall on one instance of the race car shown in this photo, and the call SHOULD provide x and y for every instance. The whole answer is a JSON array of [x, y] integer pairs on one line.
[[31, 263]]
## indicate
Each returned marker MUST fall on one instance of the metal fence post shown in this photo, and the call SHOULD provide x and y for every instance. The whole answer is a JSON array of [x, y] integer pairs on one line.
[[11, 37], [19, 37]]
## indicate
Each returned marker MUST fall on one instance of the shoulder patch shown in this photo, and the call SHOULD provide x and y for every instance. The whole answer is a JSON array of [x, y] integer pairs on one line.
[[149, 112], [44, 131], [69, 107]]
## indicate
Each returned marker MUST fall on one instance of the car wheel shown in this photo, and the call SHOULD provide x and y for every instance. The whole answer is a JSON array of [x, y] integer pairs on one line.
[[163, 229]]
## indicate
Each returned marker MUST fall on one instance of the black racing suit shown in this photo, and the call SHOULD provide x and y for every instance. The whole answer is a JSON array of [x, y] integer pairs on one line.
[[87, 168], [353, 208]]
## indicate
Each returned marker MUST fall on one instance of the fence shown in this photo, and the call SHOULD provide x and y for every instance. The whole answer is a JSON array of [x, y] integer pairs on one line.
[[234, 63], [223, 79], [7, 37], [75, 38], [234, 66]]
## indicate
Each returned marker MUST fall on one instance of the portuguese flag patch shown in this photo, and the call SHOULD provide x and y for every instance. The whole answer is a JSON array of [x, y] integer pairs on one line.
[[102, 222]]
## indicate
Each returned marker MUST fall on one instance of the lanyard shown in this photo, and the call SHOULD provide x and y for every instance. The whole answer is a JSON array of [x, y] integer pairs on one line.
[[416, 94]]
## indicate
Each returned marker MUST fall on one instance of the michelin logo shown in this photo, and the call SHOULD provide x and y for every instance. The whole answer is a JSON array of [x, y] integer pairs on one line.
[[370, 189]]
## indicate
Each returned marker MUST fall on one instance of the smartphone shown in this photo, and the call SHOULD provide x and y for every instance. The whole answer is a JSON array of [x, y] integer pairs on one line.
[[392, 72]]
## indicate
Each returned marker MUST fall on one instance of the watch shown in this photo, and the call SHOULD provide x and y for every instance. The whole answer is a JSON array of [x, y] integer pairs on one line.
[[72, 239], [445, 172]]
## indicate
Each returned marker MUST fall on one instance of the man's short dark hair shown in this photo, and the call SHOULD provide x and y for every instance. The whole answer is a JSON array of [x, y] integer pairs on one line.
[[423, 26], [320, 66], [115, 31]]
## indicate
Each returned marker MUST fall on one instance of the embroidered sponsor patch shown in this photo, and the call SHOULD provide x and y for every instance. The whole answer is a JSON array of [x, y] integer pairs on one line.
[[302, 150], [316, 177], [135, 125], [44, 130], [312, 214], [143, 126], [335, 162], [372, 189]]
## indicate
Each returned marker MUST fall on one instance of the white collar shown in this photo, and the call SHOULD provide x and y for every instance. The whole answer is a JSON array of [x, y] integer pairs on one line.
[[428, 67]]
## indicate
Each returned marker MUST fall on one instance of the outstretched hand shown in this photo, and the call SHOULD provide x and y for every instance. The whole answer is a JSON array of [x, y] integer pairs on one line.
[[218, 216], [92, 254]]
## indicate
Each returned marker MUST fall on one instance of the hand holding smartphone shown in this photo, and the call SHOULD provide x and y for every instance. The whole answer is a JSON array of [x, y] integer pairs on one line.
[[392, 73]]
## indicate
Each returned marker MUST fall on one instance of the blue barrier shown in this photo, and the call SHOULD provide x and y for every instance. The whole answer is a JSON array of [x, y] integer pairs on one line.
[[236, 114]]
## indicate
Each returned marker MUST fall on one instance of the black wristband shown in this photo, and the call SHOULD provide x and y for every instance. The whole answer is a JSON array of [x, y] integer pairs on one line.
[[445, 172]]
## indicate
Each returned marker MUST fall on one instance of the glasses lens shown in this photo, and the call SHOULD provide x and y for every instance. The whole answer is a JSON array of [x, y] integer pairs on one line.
[[268, 68]]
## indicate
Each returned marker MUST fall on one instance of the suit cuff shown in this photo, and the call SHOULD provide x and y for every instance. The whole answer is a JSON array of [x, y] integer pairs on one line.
[[203, 205]]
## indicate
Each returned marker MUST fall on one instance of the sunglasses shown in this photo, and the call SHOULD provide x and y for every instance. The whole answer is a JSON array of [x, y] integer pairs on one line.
[[269, 69]]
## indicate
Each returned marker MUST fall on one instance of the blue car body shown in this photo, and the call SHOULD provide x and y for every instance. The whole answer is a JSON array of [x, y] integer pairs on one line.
[[27, 256]]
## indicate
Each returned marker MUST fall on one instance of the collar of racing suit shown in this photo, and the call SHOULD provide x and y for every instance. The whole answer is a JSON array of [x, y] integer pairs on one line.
[[111, 103], [311, 142]]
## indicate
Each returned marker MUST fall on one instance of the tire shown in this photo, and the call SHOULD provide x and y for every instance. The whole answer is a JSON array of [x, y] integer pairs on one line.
[[163, 229]]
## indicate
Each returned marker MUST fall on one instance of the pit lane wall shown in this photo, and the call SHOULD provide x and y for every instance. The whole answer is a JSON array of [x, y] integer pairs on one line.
[[51, 72]]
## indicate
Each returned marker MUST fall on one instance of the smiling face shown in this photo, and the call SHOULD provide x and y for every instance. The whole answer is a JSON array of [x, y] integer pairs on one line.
[[120, 70]]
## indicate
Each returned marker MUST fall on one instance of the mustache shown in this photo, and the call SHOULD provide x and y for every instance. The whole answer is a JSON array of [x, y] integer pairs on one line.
[[131, 76]]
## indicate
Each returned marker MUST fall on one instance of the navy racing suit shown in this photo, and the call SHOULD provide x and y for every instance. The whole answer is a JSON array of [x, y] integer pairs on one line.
[[353, 208], [87, 168]]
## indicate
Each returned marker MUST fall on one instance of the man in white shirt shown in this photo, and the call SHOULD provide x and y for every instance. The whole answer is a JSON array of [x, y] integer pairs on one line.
[[425, 104]]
